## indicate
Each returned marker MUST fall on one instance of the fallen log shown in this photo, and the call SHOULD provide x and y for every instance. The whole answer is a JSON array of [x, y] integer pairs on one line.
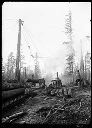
[[13, 117]]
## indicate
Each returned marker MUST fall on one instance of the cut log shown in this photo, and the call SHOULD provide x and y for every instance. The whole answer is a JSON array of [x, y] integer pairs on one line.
[[13, 117]]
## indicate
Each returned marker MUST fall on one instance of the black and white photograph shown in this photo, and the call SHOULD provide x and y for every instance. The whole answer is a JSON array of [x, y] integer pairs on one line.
[[46, 63]]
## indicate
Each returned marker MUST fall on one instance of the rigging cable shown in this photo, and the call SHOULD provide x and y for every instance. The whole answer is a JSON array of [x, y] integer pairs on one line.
[[27, 45], [26, 30], [34, 45]]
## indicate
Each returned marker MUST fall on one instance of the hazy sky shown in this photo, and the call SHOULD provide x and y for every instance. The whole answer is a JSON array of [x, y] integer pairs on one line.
[[43, 29]]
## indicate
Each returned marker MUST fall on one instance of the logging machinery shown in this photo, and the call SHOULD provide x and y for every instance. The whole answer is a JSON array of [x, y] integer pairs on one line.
[[40, 82]]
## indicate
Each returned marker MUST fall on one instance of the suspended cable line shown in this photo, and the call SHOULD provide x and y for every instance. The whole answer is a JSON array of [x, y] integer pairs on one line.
[[27, 45], [9, 26], [34, 46], [26, 30]]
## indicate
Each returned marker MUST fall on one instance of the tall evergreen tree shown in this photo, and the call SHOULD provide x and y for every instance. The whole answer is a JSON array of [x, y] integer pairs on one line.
[[69, 42], [11, 66], [37, 69]]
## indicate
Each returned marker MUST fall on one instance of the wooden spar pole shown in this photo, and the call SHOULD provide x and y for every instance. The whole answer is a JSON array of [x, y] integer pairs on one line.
[[18, 52]]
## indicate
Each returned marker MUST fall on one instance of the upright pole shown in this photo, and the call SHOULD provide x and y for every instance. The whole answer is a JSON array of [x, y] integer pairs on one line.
[[25, 72], [82, 62], [36, 75], [73, 73], [57, 75], [57, 79], [18, 52], [85, 67]]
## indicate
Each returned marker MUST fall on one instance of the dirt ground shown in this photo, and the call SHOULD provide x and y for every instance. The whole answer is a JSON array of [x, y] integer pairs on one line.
[[46, 109]]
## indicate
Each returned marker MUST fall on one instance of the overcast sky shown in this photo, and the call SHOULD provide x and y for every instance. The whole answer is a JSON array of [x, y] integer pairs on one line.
[[43, 29]]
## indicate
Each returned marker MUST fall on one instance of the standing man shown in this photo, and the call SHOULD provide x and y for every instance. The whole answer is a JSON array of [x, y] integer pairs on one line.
[[78, 79]]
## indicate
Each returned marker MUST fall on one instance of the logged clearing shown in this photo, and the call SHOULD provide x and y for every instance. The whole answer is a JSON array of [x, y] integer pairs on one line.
[[47, 109]]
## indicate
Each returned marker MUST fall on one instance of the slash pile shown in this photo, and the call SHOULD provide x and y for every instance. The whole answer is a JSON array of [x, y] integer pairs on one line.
[[70, 111]]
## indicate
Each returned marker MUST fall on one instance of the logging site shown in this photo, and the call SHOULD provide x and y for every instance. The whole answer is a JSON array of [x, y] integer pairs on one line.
[[46, 63]]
